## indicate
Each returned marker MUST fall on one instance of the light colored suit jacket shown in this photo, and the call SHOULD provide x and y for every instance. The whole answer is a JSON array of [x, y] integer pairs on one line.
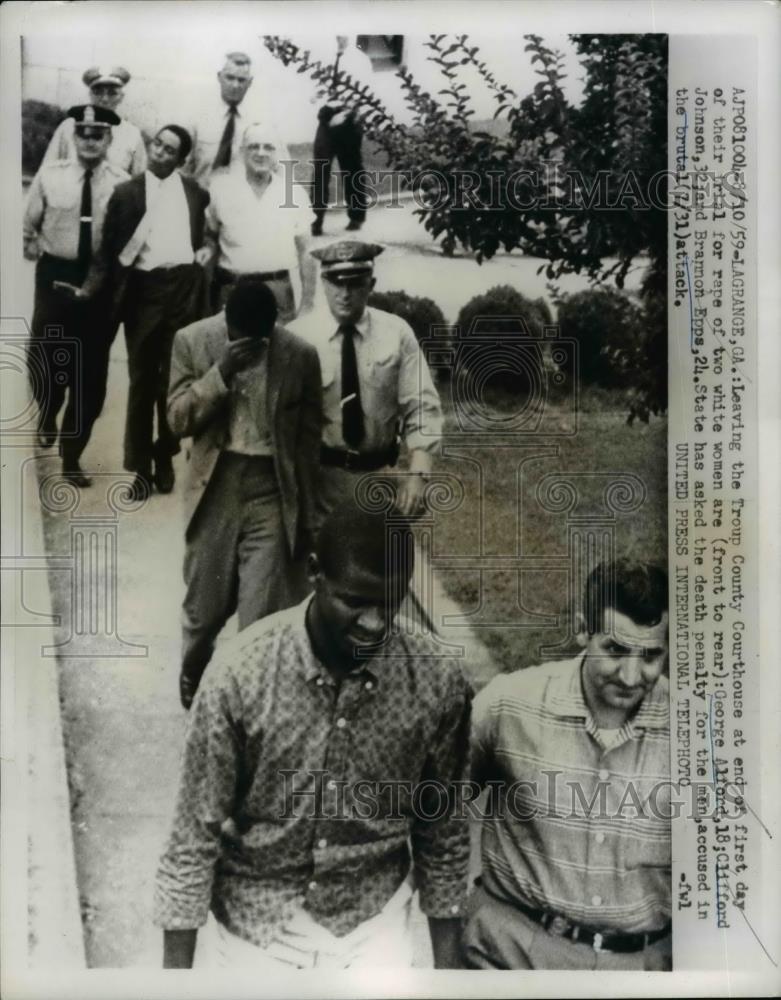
[[198, 408]]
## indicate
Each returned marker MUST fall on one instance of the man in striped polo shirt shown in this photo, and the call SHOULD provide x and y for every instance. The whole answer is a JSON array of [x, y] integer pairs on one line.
[[576, 842]]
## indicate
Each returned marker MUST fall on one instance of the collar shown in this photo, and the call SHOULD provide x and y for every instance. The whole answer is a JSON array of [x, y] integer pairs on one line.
[[363, 326], [162, 181], [99, 167], [566, 699], [312, 668]]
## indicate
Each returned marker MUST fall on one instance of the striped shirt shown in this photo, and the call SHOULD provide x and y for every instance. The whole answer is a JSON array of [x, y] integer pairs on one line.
[[585, 832]]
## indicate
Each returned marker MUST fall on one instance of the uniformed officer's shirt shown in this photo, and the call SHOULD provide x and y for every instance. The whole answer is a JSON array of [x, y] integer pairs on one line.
[[127, 150], [394, 378], [53, 210]]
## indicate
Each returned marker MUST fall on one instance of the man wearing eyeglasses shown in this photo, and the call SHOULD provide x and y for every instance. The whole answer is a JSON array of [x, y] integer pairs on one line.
[[253, 228]]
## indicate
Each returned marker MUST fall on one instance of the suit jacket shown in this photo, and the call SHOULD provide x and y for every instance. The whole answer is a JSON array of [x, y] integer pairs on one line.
[[126, 208], [198, 408]]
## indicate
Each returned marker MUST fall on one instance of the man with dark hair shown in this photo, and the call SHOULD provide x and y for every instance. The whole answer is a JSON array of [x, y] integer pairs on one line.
[[153, 235], [311, 743], [64, 226], [248, 393], [576, 851]]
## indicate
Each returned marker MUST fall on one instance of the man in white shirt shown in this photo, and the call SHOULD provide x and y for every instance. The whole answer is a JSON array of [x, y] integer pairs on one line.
[[221, 120], [153, 232], [254, 227], [106, 90]]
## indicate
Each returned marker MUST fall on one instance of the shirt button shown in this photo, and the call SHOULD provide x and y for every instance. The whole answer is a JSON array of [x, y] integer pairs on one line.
[[319, 682], [368, 685], [600, 837], [312, 886], [322, 843], [604, 774], [341, 723], [596, 900], [455, 908]]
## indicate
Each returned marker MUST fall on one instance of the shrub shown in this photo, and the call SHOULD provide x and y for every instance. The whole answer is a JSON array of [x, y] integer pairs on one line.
[[39, 120], [501, 312], [421, 313], [608, 328]]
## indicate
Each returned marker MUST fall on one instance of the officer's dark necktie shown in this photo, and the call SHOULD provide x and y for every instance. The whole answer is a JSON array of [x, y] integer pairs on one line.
[[352, 415], [85, 223], [223, 157]]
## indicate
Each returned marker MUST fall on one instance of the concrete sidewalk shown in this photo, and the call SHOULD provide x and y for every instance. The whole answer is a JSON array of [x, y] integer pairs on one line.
[[121, 716]]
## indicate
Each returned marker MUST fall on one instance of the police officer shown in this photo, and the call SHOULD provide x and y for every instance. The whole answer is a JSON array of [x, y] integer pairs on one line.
[[106, 90], [377, 387], [70, 336]]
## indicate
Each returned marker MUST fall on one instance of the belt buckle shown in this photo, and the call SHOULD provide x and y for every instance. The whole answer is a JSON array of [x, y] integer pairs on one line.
[[350, 456], [597, 944]]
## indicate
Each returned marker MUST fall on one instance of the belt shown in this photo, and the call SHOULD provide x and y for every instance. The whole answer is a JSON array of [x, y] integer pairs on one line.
[[226, 277], [358, 461], [559, 926]]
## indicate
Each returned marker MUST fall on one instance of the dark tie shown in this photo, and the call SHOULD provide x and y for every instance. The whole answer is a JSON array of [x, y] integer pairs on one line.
[[223, 157], [85, 223], [352, 414]]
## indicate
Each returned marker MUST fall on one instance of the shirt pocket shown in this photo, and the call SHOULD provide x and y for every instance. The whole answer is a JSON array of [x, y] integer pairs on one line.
[[384, 374], [649, 843]]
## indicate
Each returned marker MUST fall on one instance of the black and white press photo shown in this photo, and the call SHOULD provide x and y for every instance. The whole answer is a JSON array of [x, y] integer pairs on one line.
[[383, 519]]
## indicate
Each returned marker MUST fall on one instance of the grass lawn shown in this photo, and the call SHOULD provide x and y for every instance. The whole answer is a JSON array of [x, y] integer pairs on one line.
[[501, 516]]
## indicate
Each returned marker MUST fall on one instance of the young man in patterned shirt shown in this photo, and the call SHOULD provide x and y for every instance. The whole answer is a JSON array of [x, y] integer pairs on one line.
[[323, 755], [576, 854]]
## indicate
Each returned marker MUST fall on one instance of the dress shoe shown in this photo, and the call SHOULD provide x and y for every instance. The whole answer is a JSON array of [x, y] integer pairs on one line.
[[164, 474], [74, 473], [353, 225], [140, 489]]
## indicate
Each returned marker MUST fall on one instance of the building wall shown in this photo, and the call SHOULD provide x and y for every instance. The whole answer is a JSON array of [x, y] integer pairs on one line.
[[172, 74]]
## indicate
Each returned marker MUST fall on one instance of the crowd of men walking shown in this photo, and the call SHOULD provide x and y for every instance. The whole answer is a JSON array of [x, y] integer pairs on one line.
[[190, 246]]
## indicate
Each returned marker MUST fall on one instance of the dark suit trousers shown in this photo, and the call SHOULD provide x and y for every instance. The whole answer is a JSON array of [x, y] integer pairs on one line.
[[68, 354], [344, 143], [237, 557], [157, 304]]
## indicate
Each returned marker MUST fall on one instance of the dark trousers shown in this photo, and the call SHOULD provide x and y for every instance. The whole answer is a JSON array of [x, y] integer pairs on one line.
[[343, 142], [157, 304], [68, 354]]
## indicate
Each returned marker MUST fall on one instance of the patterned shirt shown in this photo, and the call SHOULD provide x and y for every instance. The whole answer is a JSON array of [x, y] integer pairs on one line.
[[607, 868], [127, 150], [319, 783], [393, 375], [53, 211]]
